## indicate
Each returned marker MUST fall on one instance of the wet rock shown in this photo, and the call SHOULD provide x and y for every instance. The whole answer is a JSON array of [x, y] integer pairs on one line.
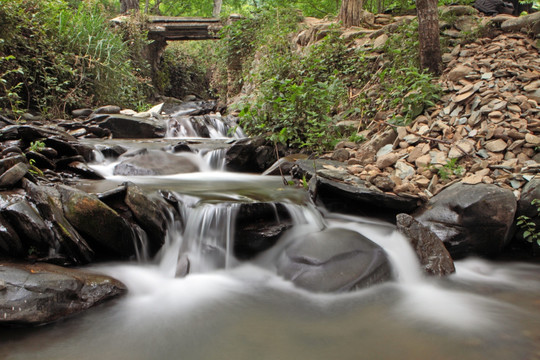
[[112, 152], [11, 245], [41, 293], [334, 260], [258, 226], [63, 147], [471, 219], [83, 170], [148, 215], [241, 156], [13, 175], [34, 232], [123, 126], [40, 160], [156, 162], [29, 133], [340, 197], [67, 243], [108, 234], [431, 252]]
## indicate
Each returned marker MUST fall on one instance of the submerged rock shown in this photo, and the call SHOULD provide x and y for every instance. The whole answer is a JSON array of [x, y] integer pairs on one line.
[[334, 260], [155, 162], [41, 293], [471, 219]]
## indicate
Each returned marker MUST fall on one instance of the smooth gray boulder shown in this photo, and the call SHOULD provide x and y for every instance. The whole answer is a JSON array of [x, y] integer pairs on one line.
[[471, 219], [41, 293], [334, 260]]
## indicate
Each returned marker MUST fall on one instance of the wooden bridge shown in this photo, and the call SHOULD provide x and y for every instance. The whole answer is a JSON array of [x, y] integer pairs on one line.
[[183, 28]]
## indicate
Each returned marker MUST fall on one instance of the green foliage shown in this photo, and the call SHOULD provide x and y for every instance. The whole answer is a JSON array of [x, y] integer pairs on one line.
[[296, 112], [530, 232], [450, 168], [63, 57], [36, 146], [186, 69]]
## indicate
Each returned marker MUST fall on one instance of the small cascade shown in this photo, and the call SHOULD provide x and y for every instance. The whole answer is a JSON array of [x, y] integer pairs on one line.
[[215, 158], [206, 126]]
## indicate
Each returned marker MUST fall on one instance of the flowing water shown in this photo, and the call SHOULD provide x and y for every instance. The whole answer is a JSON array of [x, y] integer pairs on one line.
[[228, 309]]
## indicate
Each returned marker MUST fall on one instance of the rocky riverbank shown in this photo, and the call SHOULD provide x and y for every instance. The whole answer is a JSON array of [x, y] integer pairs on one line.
[[454, 180]]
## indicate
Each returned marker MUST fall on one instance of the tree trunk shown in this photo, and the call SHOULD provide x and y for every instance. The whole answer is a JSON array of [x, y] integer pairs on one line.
[[428, 35], [217, 8], [351, 13], [129, 5]]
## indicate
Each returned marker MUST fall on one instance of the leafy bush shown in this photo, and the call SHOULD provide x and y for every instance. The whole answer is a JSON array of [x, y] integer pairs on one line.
[[65, 58], [296, 112], [530, 231]]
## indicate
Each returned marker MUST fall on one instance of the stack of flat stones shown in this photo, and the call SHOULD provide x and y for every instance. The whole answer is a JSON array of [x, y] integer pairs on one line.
[[488, 120]]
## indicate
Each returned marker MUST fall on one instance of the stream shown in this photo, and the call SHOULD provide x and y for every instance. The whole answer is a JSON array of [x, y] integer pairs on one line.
[[231, 309]]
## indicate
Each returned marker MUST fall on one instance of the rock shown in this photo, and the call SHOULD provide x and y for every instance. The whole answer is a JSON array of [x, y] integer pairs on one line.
[[429, 248], [148, 215], [41, 293], [495, 146], [35, 233], [284, 165], [67, 243], [459, 72], [532, 139], [83, 170], [258, 226], [10, 243], [383, 182], [156, 162], [241, 156], [380, 41], [13, 175], [360, 200], [108, 109], [387, 160], [109, 235], [470, 219], [341, 155], [81, 112], [131, 127], [334, 260], [528, 23], [39, 160]]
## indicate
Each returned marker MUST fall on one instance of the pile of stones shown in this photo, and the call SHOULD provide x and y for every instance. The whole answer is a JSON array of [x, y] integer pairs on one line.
[[485, 129]]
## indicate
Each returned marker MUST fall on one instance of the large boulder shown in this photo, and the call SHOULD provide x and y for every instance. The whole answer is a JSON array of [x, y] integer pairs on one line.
[[131, 127], [528, 23], [107, 233], [471, 219], [334, 260], [156, 162], [357, 198], [41, 293], [431, 252], [250, 155], [67, 242]]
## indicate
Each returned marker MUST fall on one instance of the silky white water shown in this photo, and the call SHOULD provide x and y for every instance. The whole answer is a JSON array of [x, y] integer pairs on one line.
[[229, 309]]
